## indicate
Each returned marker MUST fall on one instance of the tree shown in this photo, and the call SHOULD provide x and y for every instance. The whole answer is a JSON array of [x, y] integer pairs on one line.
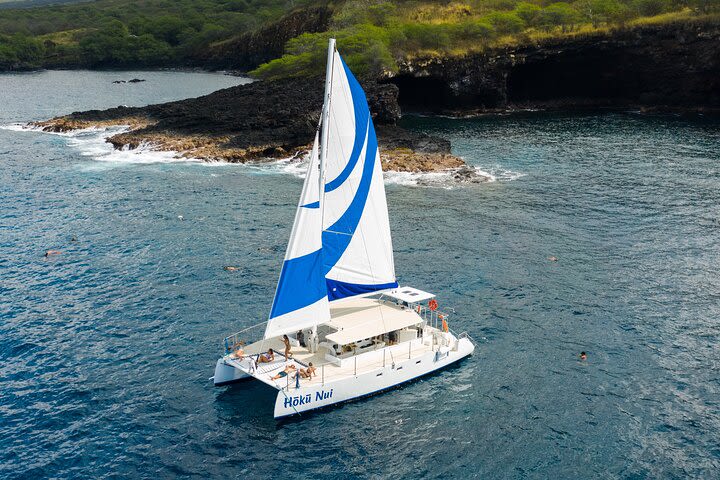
[[603, 11], [506, 22], [651, 7], [20, 52], [529, 13], [558, 14]]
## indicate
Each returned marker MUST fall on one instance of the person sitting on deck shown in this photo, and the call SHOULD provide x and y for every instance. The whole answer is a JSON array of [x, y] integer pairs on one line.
[[266, 357], [284, 372], [239, 353], [286, 341], [308, 372]]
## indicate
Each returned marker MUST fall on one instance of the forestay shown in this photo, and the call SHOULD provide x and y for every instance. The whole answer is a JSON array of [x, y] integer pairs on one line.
[[301, 299]]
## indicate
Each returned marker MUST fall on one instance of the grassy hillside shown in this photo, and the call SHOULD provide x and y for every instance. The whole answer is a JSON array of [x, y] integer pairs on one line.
[[35, 3], [118, 33], [375, 34]]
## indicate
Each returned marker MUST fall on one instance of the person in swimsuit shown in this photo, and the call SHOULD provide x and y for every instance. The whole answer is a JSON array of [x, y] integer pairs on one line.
[[284, 372], [238, 351], [286, 341], [266, 357], [308, 372]]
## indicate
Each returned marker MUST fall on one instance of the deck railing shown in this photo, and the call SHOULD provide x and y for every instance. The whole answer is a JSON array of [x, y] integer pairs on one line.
[[243, 337], [432, 318]]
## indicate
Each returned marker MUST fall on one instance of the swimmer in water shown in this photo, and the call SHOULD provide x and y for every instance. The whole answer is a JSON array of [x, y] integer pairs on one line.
[[52, 252], [583, 356], [230, 268]]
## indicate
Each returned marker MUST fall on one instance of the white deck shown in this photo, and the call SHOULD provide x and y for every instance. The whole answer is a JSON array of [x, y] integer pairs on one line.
[[353, 358]]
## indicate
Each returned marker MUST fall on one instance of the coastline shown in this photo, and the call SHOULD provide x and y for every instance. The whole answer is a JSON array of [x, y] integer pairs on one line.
[[651, 69], [263, 122]]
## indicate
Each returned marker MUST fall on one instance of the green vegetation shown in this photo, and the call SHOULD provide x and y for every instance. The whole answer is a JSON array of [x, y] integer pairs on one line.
[[19, 49], [120, 33], [374, 34]]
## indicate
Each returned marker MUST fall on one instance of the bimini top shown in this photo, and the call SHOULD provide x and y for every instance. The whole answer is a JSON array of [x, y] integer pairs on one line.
[[360, 318], [409, 294]]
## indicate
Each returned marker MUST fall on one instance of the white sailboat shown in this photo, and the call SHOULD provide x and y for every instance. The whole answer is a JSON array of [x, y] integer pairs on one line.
[[337, 300]]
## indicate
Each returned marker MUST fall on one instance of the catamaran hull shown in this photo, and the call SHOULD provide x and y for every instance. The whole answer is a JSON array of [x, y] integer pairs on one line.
[[227, 374], [312, 397]]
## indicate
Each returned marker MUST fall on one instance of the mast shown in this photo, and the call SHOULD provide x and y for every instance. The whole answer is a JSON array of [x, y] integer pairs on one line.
[[325, 117]]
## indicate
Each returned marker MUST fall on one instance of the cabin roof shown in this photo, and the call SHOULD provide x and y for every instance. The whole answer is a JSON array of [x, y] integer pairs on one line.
[[360, 318], [408, 294]]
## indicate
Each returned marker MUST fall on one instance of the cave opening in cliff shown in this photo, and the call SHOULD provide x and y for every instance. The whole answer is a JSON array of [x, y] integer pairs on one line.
[[590, 78], [423, 94]]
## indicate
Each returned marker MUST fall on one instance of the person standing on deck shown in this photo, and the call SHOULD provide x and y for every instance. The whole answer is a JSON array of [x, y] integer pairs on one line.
[[286, 341]]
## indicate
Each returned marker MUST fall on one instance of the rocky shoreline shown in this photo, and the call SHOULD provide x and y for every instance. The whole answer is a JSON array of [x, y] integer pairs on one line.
[[657, 68], [263, 121]]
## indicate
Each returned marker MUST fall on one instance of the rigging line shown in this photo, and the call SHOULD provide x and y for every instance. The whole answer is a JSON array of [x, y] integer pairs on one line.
[[362, 232], [339, 233], [323, 141]]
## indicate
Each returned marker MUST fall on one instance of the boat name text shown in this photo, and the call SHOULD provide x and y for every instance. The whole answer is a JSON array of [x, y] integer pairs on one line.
[[307, 398]]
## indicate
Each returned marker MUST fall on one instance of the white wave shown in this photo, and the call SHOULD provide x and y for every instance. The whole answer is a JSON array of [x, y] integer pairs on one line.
[[91, 142], [27, 127], [500, 174], [95, 146], [442, 179], [19, 127], [295, 166]]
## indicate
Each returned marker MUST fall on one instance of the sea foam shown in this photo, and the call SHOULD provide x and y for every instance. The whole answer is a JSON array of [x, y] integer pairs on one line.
[[92, 143]]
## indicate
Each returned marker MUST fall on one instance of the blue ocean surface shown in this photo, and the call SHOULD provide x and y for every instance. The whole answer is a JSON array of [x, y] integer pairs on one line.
[[107, 348]]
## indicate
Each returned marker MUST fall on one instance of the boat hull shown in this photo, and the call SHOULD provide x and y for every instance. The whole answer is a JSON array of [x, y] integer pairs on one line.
[[227, 374], [311, 397]]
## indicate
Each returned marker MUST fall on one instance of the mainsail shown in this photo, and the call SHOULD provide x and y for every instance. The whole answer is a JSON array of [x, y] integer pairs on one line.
[[301, 297], [356, 242], [340, 245]]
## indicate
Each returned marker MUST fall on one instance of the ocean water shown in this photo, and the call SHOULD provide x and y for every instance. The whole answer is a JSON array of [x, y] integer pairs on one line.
[[106, 348]]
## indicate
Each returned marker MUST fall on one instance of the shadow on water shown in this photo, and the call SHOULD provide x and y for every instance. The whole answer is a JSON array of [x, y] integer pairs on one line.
[[246, 401]]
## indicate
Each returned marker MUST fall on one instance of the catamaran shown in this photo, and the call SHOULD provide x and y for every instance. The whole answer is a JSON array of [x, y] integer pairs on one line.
[[340, 326]]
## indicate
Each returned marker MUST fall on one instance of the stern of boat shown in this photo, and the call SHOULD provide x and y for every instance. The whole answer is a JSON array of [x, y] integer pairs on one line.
[[226, 374]]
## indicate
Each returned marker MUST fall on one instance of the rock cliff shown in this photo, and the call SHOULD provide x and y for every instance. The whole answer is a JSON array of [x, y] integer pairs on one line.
[[673, 67]]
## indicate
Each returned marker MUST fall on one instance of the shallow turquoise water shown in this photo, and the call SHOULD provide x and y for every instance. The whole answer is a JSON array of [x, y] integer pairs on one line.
[[106, 349]]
